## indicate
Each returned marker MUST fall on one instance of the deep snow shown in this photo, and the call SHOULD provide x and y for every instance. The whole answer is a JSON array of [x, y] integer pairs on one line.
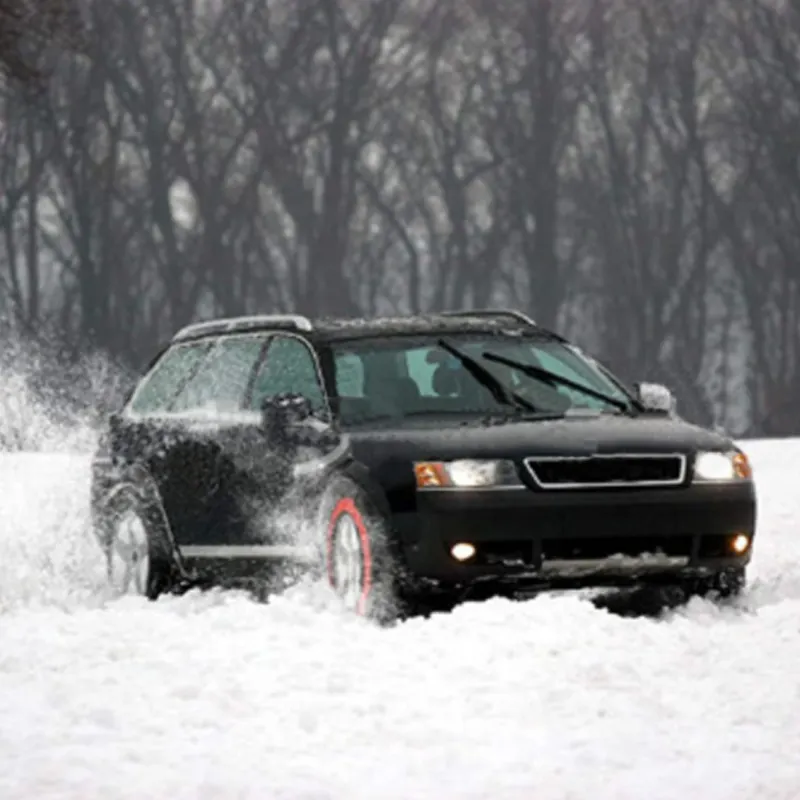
[[216, 696]]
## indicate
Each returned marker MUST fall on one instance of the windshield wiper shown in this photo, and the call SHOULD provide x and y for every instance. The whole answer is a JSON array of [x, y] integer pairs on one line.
[[499, 391], [553, 378]]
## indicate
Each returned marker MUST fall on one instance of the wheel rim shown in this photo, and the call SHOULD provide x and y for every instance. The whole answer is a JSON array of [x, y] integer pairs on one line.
[[129, 556], [347, 563]]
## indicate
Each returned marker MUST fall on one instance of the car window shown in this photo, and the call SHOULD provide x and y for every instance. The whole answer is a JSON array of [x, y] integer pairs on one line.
[[399, 378], [349, 375], [221, 381], [389, 378], [421, 369], [157, 389], [289, 367], [566, 362], [559, 366]]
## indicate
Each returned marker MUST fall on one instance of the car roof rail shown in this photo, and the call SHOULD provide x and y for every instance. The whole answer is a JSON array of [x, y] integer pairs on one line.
[[295, 322], [508, 313]]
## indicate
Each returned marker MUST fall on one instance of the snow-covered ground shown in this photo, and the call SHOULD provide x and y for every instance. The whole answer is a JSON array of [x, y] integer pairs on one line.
[[216, 696]]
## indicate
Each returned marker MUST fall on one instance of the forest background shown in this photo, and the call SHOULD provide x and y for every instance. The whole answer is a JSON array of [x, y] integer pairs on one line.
[[627, 172]]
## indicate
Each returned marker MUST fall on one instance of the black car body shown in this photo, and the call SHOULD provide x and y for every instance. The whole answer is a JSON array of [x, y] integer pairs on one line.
[[436, 456]]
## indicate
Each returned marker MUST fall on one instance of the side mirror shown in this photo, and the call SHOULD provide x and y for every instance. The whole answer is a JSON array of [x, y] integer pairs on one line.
[[655, 397], [282, 412], [289, 423]]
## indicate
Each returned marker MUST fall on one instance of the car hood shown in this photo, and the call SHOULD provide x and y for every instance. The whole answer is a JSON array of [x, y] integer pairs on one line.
[[570, 436]]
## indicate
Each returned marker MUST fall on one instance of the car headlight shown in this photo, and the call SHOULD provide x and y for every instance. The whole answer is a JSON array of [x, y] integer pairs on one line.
[[721, 467], [465, 474]]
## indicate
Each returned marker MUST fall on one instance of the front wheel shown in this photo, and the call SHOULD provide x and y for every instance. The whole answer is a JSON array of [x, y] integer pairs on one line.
[[730, 582], [358, 562], [726, 584]]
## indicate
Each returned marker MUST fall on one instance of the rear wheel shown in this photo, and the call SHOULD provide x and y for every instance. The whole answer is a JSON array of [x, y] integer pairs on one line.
[[140, 559], [128, 555]]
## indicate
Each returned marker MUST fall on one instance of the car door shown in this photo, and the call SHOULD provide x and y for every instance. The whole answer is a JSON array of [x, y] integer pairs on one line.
[[149, 442], [208, 464], [290, 367], [244, 513], [175, 427], [196, 423]]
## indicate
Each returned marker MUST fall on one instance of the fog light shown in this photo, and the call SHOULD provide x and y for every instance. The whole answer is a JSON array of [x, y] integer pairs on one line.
[[740, 543], [463, 551]]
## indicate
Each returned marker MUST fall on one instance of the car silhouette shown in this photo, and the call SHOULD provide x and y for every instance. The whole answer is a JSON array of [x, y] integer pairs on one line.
[[412, 462]]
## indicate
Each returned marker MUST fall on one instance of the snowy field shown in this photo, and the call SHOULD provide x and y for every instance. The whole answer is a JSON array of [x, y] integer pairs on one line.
[[215, 696]]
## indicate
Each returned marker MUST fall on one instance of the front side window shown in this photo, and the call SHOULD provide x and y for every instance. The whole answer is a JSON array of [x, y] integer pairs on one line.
[[165, 379], [221, 381], [289, 367], [415, 377]]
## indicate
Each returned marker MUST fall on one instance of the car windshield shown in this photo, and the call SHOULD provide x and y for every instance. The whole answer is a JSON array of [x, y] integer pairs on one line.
[[417, 377]]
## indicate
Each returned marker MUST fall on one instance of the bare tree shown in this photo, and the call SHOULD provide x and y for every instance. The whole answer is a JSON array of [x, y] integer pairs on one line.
[[28, 33], [316, 91], [625, 170], [643, 177], [759, 62], [533, 49]]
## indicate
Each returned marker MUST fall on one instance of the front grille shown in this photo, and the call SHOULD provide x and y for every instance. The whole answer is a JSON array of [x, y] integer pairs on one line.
[[606, 547], [607, 471]]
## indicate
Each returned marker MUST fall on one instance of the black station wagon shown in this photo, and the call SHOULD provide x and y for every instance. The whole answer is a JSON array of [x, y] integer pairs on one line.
[[411, 461]]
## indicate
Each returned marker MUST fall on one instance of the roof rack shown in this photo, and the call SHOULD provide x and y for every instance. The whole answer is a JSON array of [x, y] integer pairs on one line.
[[241, 324], [508, 313]]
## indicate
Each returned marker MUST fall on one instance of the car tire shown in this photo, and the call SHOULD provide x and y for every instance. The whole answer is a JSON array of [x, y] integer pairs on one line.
[[135, 536], [724, 585], [358, 563], [730, 583]]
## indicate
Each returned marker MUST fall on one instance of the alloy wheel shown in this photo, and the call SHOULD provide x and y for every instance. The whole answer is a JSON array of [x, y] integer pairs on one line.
[[348, 564], [129, 556]]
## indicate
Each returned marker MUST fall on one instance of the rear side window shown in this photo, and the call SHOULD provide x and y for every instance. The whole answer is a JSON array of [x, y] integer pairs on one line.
[[221, 382], [289, 367], [159, 387]]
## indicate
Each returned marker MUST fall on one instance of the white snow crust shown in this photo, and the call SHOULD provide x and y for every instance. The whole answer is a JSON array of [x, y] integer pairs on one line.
[[213, 696]]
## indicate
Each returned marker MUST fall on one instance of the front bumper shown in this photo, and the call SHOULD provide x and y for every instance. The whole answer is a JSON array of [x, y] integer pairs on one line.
[[578, 537]]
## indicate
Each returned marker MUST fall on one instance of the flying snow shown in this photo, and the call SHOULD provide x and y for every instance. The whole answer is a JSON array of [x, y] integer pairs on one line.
[[213, 695]]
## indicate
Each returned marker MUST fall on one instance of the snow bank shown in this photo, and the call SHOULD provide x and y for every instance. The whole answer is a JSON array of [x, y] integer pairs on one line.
[[214, 696]]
